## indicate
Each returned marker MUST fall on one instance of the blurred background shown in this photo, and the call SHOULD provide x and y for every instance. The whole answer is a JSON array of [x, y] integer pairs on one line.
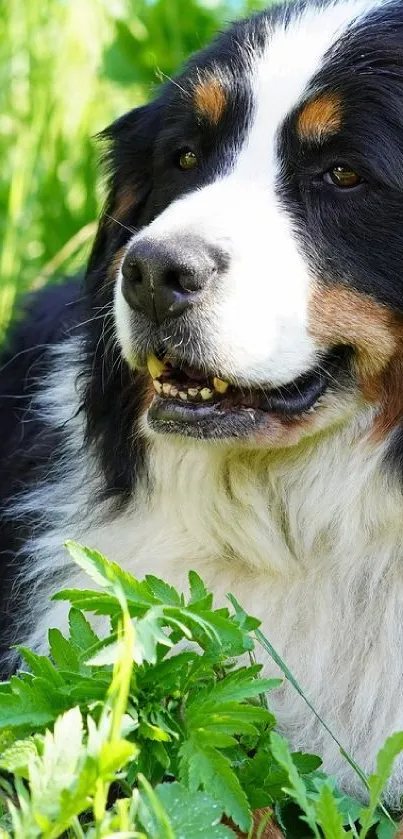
[[67, 69]]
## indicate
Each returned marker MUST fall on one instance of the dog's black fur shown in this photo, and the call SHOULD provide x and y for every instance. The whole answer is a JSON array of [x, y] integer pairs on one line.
[[350, 240]]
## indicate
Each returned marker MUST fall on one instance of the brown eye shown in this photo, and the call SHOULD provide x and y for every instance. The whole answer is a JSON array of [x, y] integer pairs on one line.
[[187, 160], [343, 177]]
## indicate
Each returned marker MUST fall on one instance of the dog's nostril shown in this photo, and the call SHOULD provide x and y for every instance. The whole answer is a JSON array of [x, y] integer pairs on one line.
[[163, 278], [131, 271], [172, 278]]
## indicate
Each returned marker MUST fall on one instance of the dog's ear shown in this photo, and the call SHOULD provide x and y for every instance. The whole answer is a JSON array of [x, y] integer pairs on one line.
[[127, 157]]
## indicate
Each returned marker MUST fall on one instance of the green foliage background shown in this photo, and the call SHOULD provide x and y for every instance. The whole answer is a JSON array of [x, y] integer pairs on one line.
[[67, 69]]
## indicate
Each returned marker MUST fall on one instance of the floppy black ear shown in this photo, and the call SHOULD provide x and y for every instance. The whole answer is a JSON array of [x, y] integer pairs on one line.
[[128, 161], [111, 392]]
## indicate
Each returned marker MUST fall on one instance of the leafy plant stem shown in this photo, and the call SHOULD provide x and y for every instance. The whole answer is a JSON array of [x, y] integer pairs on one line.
[[265, 643], [77, 829]]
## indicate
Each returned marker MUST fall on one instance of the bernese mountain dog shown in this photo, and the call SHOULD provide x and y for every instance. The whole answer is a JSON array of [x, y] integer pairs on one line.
[[225, 392]]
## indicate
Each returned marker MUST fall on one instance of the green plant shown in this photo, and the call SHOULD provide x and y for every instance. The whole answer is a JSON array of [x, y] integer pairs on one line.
[[67, 69], [133, 735]]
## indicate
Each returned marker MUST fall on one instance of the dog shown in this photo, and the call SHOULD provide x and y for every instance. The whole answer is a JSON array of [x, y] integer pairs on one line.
[[225, 391]]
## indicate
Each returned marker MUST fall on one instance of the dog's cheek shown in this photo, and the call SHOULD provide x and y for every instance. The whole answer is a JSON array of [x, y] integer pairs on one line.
[[339, 315]]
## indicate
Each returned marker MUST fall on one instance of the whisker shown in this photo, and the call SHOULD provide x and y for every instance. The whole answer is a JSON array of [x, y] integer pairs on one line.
[[125, 227], [161, 75]]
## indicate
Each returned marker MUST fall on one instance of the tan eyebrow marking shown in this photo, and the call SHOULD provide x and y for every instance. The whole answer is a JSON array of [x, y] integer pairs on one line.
[[210, 99], [320, 117]]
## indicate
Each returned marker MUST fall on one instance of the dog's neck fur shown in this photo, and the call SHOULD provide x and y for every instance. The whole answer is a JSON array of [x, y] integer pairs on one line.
[[309, 540]]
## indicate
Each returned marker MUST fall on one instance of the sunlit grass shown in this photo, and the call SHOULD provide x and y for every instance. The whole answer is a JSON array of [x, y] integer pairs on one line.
[[67, 69]]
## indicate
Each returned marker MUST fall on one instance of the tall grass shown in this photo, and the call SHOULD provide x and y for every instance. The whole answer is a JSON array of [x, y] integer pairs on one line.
[[67, 68]]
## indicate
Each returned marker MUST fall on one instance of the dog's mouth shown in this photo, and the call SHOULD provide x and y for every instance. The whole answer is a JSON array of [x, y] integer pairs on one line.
[[190, 402]]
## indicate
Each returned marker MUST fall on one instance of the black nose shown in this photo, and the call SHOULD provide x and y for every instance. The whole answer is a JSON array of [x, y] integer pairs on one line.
[[163, 278]]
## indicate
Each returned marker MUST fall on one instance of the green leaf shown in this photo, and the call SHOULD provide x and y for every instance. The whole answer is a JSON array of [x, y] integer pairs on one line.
[[386, 829], [204, 766], [243, 684], [192, 815], [82, 634], [26, 706], [62, 651], [113, 755], [162, 591], [377, 781], [86, 600], [328, 816], [40, 666], [197, 588], [306, 763], [297, 789], [17, 757], [109, 575]]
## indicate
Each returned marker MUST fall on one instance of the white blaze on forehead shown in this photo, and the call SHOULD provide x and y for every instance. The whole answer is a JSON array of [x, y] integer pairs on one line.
[[254, 319], [283, 72]]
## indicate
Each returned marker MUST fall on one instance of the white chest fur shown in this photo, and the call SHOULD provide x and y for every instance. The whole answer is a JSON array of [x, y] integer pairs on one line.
[[309, 542]]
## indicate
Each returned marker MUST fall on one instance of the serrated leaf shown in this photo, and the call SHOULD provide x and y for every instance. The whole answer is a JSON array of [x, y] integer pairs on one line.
[[228, 717], [377, 781], [16, 758], [232, 640], [40, 666], [296, 789], [241, 618], [240, 685], [253, 776], [62, 651], [109, 575], [97, 602], [197, 588], [163, 592], [82, 634], [204, 766], [26, 706], [328, 816]]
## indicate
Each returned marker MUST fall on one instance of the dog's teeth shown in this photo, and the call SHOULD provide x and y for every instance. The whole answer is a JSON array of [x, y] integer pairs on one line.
[[220, 385], [155, 366], [174, 391], [183, 395], [166, 388], [157, 386], [193, 391], [206, 393]]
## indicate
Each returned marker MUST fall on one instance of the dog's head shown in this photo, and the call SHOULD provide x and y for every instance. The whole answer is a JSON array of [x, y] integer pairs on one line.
[[254, 233]]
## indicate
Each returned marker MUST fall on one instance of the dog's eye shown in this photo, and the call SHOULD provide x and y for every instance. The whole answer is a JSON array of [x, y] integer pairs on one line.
[[187, 160], [343, 177]]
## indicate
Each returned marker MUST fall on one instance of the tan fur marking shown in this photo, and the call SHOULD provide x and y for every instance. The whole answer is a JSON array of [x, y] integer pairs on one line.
[[320, 117], [125, 201], [210, 99], [339, 315]]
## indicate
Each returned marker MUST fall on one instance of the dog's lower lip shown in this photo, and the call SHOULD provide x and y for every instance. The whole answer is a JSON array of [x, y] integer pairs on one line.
[[184, 394]]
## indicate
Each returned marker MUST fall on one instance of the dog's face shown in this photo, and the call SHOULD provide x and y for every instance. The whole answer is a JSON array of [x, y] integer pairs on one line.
[[261, 282]]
